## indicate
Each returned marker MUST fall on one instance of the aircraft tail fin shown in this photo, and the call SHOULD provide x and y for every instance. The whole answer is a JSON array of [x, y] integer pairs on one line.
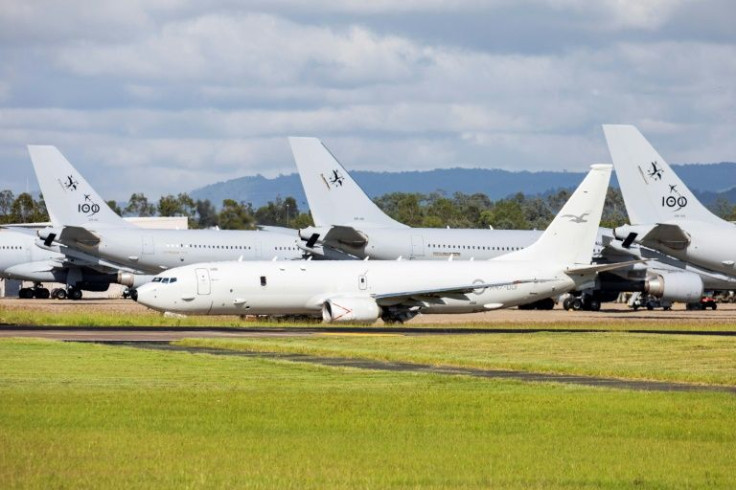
[[69, 198], [652, 192], [570, 238], [334, 197]]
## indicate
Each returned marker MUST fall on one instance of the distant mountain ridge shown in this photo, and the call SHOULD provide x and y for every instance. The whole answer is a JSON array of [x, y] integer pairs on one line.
[[708, 181]]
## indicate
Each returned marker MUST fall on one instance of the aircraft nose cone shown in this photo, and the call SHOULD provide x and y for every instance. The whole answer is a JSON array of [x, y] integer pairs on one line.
[[146, 295]]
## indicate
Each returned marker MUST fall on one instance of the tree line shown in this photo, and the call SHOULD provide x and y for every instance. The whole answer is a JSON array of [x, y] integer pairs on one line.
[[433, 210]]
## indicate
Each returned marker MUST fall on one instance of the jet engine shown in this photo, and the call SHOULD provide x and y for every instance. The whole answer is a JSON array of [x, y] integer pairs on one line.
[[675, 286], [132, 280], [350, 309]]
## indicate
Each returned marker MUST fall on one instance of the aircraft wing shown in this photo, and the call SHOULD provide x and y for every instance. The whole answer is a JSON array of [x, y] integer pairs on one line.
[[460, 289], [73, 257]]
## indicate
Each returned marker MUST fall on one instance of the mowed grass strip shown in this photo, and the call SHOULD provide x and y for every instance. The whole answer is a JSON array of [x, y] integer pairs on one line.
[[83, 415], [125, 313], [683, 358]]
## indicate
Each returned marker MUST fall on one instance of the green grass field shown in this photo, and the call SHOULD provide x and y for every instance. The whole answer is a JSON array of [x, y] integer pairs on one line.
[[83, 314], [683, 358], [84, 415]]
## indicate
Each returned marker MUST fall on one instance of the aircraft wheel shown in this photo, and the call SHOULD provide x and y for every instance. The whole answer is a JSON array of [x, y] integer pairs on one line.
[[41, 293], [650, 306], [58, 293], [25, 293], [567, 303], [577, 304], [75, 293], [594, 305]]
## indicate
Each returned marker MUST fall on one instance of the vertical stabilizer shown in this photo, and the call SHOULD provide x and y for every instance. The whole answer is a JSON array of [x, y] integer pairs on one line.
[[653, 193], [570, 238], [69, 198], [334, 197]]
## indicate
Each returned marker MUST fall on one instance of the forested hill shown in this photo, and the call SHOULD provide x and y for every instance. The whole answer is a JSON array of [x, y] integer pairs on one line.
[[707, 180]]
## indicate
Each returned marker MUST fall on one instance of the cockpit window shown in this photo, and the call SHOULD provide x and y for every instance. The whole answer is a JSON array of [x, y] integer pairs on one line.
[[172, 280], [165, 280], [157, 279]]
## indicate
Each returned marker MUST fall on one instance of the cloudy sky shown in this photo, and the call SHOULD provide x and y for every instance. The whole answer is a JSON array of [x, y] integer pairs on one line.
[[163, 96]]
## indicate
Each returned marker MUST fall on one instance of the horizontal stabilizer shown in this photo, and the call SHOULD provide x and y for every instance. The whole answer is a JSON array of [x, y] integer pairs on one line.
[[671, 236], [77, 236], [344, 236], [594, 268]]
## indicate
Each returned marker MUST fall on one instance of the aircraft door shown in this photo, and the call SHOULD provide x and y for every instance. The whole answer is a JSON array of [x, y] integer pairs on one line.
[[417, 246], [258, 249], [148, 248], [203, 281]]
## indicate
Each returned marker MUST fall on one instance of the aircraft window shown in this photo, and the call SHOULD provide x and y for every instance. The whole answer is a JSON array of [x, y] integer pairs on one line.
[[165, 280], [157, 279], [263, 280], [172, 280]]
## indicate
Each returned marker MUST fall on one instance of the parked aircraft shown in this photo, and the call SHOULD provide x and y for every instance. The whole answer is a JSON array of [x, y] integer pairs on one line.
[[84, 224], [348, 223], [363, 291], [664, 214], [21, 259]]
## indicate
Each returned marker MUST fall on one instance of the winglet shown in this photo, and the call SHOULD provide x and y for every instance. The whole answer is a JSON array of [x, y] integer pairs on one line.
[[653, 193], [69, 198], [334, 197]]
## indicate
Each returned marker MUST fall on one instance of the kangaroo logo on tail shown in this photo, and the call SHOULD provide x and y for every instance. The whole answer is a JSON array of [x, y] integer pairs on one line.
[[655, 172], [71, 183], [334, 180]]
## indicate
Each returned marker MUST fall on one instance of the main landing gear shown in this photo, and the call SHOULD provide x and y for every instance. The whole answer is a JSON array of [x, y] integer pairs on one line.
[[37, 291], [584, 302], [40, 292]]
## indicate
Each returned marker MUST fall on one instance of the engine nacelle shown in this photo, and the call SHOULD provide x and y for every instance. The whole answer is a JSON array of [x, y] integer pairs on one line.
[[133, 280], [350, 309], [675, 286]]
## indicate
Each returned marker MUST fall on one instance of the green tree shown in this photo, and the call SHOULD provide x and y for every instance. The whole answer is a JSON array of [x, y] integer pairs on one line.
[[114, 206], [277, 213], [206, 214], [235, 215], [138, 205], [505, 215], [6, 205], [26, 210]]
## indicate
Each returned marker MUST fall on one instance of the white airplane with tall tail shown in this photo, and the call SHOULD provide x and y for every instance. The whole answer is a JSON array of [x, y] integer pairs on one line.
[[664, 214], [395, 291], [85, 228], [349, 224]]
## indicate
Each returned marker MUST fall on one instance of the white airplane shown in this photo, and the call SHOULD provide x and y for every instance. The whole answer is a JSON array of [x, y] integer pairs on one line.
[[664, 214], [84, 226], [363, 291], [21, 259], [349, 224]]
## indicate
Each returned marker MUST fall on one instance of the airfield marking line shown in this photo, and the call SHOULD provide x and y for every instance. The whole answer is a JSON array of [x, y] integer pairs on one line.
[[369, 364]]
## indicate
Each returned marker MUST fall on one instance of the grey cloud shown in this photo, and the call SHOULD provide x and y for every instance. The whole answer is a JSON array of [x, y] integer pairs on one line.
[[188, 93]]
